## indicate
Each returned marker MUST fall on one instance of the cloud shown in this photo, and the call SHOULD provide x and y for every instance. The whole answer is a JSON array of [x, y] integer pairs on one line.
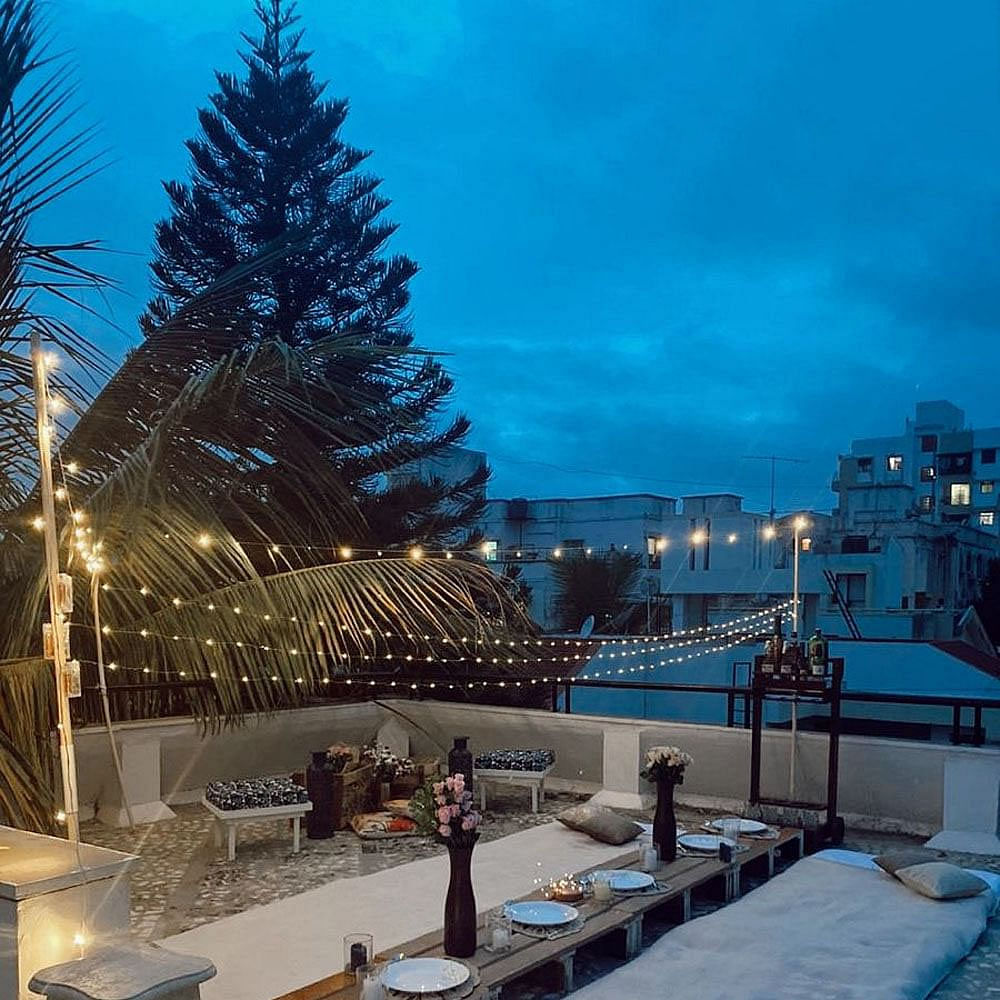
[[654, 237]]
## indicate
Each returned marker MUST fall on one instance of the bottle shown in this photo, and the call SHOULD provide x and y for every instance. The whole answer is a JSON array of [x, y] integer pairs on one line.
[[319, 785], [769, 659], [787, 658], [818, 654], [460, 760]]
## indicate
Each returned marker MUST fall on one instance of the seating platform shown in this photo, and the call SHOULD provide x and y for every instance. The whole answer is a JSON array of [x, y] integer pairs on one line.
[[227, 821]]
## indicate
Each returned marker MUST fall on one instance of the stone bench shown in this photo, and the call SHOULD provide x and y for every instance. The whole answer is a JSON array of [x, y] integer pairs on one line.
[[125, 972], [227, 820], [535, 780]]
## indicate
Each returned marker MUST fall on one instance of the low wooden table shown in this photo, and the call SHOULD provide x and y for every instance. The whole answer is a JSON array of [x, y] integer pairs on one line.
[[227, 820], [623, 915], [535, 780]]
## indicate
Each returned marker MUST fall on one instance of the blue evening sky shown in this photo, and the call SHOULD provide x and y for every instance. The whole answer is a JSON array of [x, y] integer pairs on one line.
[[655, 237]]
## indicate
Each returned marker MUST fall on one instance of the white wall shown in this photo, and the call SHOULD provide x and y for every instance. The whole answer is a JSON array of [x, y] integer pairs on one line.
[[885, 784]]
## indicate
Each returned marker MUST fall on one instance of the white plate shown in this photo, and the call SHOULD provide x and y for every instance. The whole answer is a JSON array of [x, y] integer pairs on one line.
[[706, 842], [424, 975], [542, 914], [625, 880], [746, 825]]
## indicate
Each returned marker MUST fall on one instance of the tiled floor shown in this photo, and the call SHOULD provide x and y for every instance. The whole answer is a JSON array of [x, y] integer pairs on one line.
[[183, 881]]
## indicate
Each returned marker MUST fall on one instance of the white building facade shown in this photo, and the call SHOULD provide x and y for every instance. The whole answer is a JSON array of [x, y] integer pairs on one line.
[[906, 546]]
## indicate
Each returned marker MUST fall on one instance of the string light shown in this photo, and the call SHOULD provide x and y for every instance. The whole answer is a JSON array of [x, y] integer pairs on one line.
[[204, 540], [38, 523]]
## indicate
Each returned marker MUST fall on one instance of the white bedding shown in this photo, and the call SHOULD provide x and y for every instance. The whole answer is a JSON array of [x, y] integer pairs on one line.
[[818, 929]]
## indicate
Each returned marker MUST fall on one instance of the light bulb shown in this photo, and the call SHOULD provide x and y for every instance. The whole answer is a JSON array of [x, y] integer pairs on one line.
[[416, 552], [60, 492], [345, 552], [204, 540], [38, 523]]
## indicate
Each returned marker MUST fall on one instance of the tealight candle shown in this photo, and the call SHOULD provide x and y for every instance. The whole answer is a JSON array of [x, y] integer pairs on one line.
[[650, 860]]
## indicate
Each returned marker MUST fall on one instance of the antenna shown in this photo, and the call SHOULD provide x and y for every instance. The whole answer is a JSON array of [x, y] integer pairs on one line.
[[773, 459]]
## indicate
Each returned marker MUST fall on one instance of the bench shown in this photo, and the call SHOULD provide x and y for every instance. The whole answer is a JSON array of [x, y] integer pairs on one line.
[[125, 972], [535, 780], [227, 820]]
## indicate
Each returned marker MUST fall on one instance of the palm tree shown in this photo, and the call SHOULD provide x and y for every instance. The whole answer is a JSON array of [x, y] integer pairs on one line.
[[599, 585], [167, 485]]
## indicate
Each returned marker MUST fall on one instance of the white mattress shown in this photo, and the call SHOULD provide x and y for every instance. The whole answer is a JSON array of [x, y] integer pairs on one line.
[[820, 929]]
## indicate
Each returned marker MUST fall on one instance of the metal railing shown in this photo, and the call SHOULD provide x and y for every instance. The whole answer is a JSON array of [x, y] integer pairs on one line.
[[157, 700]]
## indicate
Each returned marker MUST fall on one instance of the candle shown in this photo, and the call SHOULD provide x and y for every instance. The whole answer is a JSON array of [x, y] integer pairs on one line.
[[602, 890], [501, 938], [650, 860], [359, 956]]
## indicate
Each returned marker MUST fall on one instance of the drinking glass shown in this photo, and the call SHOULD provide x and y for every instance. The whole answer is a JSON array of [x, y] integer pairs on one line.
[[731, 828], [602, 888], [499, 930], [369, 978], [358, 951]]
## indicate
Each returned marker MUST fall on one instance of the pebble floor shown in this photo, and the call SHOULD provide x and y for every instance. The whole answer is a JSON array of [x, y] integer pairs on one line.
[[182, 880]]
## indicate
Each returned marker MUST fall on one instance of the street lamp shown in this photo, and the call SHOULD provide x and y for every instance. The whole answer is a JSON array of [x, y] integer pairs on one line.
[[798, 524]]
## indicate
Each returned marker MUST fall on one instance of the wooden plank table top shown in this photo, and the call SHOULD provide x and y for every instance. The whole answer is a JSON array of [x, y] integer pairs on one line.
[[621, 913]]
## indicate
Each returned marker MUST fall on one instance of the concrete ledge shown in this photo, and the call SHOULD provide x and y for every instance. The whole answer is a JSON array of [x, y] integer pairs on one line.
[[636, 801], [965, 843]]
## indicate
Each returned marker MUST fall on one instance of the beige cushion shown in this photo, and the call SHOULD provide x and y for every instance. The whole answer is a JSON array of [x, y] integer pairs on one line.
[[600, 823], [892, 861], [940, 880]]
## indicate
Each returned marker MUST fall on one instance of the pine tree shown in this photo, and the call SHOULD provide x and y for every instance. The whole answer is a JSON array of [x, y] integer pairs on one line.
[[269, 168]]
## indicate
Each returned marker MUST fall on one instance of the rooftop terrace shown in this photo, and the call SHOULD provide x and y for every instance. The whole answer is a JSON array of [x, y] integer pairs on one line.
[[891, 794]]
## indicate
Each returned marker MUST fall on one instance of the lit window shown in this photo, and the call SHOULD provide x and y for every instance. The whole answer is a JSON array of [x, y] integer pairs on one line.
[[959, 495], [927, 504], [986, 518], [490, 549], [927, 474], [806, 544], [986, 486], [894, 463]]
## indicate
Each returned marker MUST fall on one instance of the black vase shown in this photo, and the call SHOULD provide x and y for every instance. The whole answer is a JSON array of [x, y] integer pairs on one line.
[[319, 785], [460, 760], [664, 821], [460, 905]]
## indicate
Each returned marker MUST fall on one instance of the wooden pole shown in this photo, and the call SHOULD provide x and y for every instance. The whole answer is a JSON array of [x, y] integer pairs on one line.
[[67, 754]]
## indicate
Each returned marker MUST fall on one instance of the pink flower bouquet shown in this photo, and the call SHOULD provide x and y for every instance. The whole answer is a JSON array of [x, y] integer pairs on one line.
[[443, 810]]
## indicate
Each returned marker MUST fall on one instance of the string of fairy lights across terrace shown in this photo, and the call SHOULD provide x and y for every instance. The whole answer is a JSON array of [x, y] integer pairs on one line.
[[400, 680]]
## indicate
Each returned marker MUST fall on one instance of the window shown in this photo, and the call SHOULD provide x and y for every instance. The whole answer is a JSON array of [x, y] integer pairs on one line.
[[926, 504], [959, 495], [806, 544], [986, 518], [852, 544], [986, 486], [864, 466], [928, 442], [927, 474], [955, 464], [893, 463], [490, 548], [851, 587], [988, 456]]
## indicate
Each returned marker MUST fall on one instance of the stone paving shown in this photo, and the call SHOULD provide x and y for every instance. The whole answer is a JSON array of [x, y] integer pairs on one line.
[[182, 880]]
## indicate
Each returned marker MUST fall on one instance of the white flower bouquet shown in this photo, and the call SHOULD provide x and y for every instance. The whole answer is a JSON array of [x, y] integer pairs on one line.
[[666, 764]]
